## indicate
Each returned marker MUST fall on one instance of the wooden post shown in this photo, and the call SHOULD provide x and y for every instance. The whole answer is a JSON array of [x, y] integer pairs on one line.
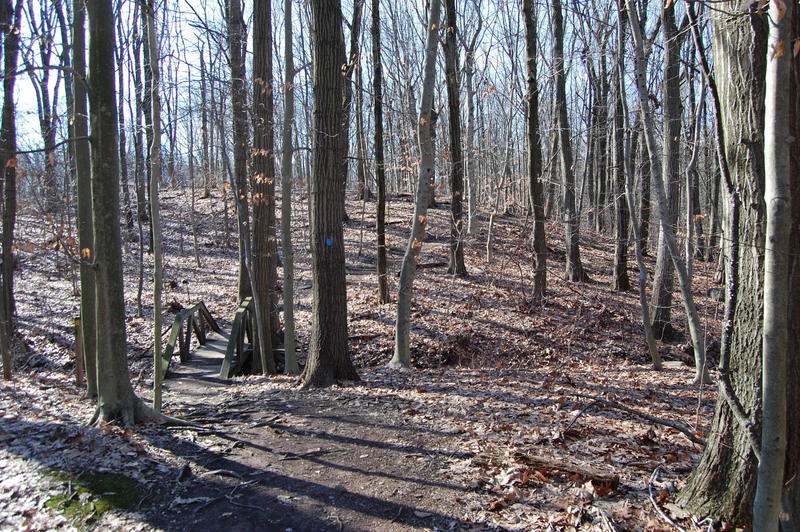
[[79, 362]]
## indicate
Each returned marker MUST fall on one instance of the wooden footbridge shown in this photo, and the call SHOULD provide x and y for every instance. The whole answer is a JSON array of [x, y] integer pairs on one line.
[[221, 354]]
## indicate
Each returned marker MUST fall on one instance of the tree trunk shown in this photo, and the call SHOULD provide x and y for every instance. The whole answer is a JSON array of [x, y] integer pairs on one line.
[[534, 142], [663, 280], [9, 18], [778, 203], [574, 269], [83, 176], [290, 361], [426, 125], [241, 135], [155, 210], [723, 483], [456, 265], [620, 280], [263, 182], [328, 358], [380, 166], [116, 400]]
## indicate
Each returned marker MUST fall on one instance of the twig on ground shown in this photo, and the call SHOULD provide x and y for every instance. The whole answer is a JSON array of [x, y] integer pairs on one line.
[[664, 516], [680, 427]]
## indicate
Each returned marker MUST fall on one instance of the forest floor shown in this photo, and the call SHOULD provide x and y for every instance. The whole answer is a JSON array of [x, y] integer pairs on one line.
[[497, 427]]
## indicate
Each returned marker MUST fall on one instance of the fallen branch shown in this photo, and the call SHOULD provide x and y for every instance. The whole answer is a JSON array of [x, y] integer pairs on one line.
[[655, 503], [680, 427]]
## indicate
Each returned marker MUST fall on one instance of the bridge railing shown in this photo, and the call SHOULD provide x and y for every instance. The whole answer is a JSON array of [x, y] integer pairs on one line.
[[242, 327]]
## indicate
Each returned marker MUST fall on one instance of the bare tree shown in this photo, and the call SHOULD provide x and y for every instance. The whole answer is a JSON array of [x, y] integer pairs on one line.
[[328, 358], [535, 153], [427, 122]]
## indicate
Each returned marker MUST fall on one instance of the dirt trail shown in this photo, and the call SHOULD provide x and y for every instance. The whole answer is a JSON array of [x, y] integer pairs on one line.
[[289, 459]]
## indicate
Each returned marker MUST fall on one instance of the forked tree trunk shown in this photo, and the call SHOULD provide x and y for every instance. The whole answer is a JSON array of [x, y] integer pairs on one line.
[[328, 358], [695, 327], [380, 166], [534, 144], [427, 121]]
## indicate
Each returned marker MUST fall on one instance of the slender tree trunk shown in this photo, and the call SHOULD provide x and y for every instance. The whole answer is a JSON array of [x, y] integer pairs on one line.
[[83, 176], [457, 265], [10, 19], [620, 281], [574, 268], [663, 280], [263, 182], [155, 211], [290, 365], [241, 134], [427, 123], [695, 327], [380, 165], [328, 358], [534, 143], [778, 201]]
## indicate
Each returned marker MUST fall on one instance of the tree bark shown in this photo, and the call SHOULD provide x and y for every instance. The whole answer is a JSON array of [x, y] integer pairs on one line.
[[620, 280], [574, 269], [456, 265], [663, 280], [83, 176], [241, 135], [534, 145], [380, 165], [10, 19], [116, 400], [723, 483], [328, 358], [290, 361], [778, 203], [426, 125], [263, 183]]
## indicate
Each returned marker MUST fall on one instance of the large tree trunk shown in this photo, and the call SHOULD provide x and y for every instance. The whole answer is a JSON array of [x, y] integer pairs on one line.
[[574, 269], [426, 125], [116, 400], [328, 358], [380, 166], [534, 142], [456, 265], [9, 18], [263, 183], [723, 483]]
